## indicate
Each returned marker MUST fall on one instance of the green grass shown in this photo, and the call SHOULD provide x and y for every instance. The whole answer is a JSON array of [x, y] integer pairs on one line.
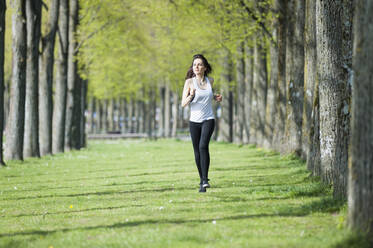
[[145, 194]]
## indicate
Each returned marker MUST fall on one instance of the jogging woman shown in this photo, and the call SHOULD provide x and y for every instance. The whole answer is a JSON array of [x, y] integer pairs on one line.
[[198, 94]]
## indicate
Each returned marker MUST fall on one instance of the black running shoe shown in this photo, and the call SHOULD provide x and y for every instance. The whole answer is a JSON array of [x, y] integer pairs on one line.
[[205, 184], [202, 189]]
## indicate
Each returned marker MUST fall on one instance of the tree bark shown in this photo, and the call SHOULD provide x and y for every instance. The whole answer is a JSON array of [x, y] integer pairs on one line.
[[111, 115], [240, 92], [161, 120], [31, 135], [104, 116], [46, 80], [226, 117], [91, 114], [273, 85], [360, 183], [99, 116], [16, 122], [259, 91], [248, 90], [59, 108], [2, 102], [294, 76], [332, 92], [84, 92], [314, 153], [175, 113], [167, 110], [310, 69], [72, 97], [280, 117]]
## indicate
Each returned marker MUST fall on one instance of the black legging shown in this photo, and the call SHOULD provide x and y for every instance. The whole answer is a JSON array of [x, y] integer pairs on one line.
[[201, 135]]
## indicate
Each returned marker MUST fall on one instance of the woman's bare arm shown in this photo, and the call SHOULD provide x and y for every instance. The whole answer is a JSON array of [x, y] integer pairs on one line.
[[188, 94]]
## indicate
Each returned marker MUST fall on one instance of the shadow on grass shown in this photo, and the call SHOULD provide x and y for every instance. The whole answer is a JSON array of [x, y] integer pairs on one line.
[[355, 240]]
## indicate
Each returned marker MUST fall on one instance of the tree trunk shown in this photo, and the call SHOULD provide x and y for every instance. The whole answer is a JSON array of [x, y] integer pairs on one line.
[[273, 86], [240, 91], [151, 113], [248, 90], [310, 69], [167, 110], [161, 120], [130, 116], [46, 80], [226, 116], [175, 113], [99, 116], [332, 92], [294, 76], [111, 115], [280, 117], [83, 138], [123, 114], [2, 102], [259, 91], [31, 136], [16, 122], [360, 183], [91, 115], [314, 153], [59, 108], [72, 77], [79, 102], [105, 116]]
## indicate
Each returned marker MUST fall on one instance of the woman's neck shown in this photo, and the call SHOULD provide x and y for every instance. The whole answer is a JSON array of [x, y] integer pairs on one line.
[[200, 77]]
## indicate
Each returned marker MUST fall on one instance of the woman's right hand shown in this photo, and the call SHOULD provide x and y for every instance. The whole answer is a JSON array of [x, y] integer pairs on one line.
[[192, 92]]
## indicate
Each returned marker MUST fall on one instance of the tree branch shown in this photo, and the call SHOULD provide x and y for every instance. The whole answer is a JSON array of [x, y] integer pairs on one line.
[[261, 24]]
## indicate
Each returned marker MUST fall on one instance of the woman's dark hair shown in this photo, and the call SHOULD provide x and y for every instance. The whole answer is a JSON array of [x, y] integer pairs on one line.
[[190, 72]]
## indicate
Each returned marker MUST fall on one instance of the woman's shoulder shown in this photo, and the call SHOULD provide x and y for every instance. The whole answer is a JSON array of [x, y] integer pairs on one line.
[[210, 79], [189, 81]]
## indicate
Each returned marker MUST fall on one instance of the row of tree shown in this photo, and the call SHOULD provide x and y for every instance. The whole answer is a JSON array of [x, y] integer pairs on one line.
[[286, 68], [38, 122]]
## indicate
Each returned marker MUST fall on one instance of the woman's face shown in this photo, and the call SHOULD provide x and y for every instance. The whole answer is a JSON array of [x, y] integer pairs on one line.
[[198, 67]]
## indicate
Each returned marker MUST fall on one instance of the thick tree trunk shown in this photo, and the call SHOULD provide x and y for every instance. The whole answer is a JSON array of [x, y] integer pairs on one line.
[[248, 90], [226, 118], [175, 113], [360, 183], [273, 86], [79, 100], [16, 122], [240, 91], [59, 108], [259, 91], [72, 78], [31, 136], [46, 80], [151, 113], [314, 153], [332, 93], [294, 76], [310, 69], [280, 117], [2, 102]]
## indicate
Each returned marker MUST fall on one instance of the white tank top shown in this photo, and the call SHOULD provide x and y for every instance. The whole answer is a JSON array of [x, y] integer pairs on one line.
[[201, 106]]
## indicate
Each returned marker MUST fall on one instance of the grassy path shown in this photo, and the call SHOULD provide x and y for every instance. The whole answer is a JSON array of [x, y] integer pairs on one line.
[[145, 194]]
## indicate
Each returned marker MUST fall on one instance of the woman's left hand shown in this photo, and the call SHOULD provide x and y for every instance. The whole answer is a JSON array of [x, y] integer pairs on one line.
[[218, 97]]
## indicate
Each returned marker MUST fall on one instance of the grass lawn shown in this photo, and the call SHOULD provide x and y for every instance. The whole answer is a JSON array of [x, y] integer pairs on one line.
[[145, 194]]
